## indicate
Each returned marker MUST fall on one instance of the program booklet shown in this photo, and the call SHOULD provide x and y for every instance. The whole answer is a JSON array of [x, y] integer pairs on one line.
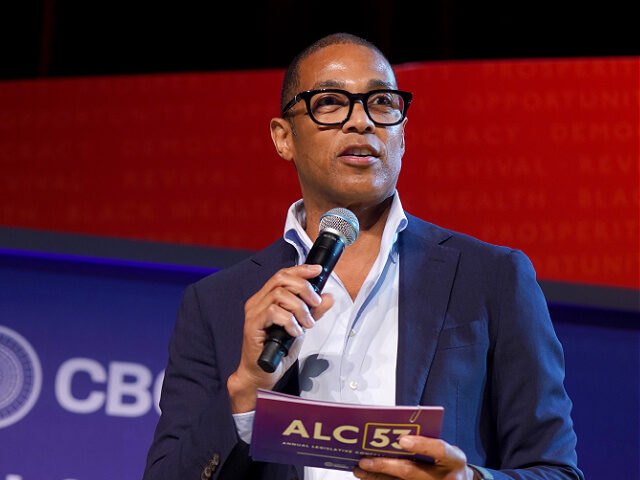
[[293, 430]]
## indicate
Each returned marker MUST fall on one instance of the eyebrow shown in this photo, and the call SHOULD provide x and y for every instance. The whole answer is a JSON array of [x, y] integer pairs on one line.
[[371, 84], [376, 83], [329, 84]]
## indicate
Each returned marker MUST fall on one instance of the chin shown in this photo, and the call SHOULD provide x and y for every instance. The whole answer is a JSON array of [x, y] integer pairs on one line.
[[359, 195]]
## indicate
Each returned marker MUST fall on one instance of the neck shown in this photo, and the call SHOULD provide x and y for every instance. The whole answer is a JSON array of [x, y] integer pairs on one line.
[[358, 258], [372, 218]]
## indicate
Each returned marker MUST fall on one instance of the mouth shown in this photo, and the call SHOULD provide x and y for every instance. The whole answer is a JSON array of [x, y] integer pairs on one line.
[[359, 154]]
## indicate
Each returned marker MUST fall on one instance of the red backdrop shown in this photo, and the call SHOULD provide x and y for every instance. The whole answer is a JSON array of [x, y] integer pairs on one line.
[[541, 155]]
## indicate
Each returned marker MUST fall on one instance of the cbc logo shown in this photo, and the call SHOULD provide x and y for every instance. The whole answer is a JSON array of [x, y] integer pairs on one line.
[[129, 388], [121, 389], [20, 377]]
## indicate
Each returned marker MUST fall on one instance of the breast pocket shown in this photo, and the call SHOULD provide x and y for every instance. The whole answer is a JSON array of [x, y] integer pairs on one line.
[[471, 333]]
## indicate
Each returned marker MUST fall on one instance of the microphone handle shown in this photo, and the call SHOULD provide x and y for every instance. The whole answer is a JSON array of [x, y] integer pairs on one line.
[[326, 251]]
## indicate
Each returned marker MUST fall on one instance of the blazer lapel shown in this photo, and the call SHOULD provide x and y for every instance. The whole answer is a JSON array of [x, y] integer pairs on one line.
[[267, 262], [427, 270], [289, 383]]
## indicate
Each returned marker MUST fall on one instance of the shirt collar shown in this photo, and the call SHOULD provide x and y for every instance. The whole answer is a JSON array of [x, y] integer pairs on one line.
[[295, 234]]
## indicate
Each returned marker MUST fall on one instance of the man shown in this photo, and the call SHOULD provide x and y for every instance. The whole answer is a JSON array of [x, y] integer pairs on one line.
[[412, 314]]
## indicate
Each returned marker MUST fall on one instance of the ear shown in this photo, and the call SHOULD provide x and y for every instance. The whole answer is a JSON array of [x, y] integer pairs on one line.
[[402, 127], [281, 134]]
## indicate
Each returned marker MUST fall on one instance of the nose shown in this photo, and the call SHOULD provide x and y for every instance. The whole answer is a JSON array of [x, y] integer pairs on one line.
[[358, 121]]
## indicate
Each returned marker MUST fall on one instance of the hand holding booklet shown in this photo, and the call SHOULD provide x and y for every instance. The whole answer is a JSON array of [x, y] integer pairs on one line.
[[293, 430]]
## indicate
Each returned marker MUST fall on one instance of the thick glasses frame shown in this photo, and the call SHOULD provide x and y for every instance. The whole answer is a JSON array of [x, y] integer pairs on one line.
[[353, 97]]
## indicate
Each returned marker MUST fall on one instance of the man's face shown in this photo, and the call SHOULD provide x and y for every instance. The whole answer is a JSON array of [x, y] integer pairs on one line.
[[356, 164]]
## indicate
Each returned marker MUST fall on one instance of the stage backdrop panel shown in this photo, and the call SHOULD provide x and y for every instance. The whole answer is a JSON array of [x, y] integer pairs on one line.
[[83, 347], [541, 155]]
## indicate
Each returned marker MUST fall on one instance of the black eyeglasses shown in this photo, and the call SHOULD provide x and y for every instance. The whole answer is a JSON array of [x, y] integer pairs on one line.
[[333, 107]]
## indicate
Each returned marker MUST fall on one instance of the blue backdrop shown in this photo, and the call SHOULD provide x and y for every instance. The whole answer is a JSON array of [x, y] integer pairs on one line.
[[99, 331]]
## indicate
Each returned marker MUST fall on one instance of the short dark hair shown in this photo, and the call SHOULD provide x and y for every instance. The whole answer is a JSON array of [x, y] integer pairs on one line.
[[290, 84]]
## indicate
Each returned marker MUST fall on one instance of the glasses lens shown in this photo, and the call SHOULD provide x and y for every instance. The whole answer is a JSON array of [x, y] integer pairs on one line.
[[329, 107], [385, 107]]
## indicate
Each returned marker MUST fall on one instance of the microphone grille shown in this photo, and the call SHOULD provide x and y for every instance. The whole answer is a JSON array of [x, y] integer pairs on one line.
[[343, 221]]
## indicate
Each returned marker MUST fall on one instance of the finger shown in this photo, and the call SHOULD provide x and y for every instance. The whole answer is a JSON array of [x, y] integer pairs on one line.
[[295, 280], [364, 475], [292, 303], [393, 467], [325, 304], [279, 316], [308, 293], [442, 452]]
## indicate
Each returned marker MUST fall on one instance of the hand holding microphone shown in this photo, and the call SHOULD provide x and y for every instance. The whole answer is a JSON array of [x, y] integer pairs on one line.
[[289, 299], [339, 228]]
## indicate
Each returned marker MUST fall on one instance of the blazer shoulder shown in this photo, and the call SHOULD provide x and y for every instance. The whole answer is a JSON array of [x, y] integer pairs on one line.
[[473, 251], [275, 256], [449, 238]]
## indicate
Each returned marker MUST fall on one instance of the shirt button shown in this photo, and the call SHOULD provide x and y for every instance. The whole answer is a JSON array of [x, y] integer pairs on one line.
[[352, 332], [353, 385]]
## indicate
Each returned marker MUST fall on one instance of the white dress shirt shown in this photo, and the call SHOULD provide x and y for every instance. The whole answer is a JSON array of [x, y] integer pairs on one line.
[[350, 354]]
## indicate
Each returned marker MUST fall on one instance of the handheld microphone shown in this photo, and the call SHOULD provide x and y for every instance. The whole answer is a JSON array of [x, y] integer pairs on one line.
[[339, 228]]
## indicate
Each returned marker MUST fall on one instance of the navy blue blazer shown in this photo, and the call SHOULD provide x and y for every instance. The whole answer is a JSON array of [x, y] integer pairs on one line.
[[474, 336]]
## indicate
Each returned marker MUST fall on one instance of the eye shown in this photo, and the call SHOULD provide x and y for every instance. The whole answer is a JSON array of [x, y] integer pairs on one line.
[[383, 100], [327, 100], [385, 103]]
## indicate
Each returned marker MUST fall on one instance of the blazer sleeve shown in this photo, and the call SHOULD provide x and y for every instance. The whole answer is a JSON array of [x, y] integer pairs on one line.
[[531, 409], [196, 434]]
